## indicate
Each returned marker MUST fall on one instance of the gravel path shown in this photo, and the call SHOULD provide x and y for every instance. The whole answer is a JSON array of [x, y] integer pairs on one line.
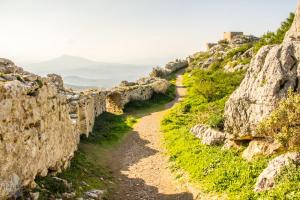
[[140, 165]]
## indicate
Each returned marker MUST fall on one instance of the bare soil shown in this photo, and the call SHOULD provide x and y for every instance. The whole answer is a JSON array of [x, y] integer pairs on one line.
[[140, 165]]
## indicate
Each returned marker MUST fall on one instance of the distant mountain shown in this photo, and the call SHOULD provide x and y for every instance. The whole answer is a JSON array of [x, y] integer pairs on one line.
[[82, 72]]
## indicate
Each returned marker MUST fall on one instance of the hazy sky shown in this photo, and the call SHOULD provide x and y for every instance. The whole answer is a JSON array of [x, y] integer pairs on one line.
[[128, 31]]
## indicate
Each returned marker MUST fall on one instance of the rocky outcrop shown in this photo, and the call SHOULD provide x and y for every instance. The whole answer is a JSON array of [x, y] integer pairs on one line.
[[162, 72], [242, 39], [294, 33], [267, 179], [274, 70], [233, 55], [208, 135], [41, 121], [260, 147]]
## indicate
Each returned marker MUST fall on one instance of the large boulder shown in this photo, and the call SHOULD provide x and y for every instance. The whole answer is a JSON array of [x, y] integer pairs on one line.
[[267, 179], [208, 136], [272, 73]]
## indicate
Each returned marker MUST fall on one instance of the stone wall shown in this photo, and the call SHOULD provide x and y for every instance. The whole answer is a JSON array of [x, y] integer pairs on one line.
[[36, 133], [142, 90], [41, 121], [169, 68]]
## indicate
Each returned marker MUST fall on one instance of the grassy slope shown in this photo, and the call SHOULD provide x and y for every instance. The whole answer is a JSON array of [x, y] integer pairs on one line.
[[213, 169], [88, 170]]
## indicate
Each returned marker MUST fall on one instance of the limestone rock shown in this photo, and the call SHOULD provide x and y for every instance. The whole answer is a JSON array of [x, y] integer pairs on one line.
[[56, 80], [266, 179], [94, 194], [69, 195], [175, 65], [126, 83], [231, 144], [243, 39], [271, 73], [208, 135], [260, 147], [248, 54], [294, 33]]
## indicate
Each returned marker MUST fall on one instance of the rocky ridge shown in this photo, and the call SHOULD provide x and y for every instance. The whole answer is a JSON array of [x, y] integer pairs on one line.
[[234, 55], [41, 121]]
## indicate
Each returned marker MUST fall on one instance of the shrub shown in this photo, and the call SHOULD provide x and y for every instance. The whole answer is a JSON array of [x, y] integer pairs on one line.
[[158, 72], [223, 42], [213, 85], [284, 123]]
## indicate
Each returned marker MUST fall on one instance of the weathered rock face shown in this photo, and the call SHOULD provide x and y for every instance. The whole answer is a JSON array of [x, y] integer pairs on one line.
[[36, 132], [266, 179], [41, 121], [85, 107], [208, 135], [294, 33], [273, 71]]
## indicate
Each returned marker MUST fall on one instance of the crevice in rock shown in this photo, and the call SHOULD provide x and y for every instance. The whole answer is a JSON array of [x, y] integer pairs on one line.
[[282, 84], [295, 62], [296, 85]]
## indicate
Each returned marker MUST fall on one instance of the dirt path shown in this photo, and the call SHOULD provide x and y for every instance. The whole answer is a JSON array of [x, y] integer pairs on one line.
[[140, 165]]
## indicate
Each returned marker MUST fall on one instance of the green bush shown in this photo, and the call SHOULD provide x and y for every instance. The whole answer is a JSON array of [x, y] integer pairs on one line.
[[214, 85], [284, 123]]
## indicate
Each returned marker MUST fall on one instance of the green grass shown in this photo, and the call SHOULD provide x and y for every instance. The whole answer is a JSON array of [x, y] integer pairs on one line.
[[88, 168], [214, 170], [110, 128]]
